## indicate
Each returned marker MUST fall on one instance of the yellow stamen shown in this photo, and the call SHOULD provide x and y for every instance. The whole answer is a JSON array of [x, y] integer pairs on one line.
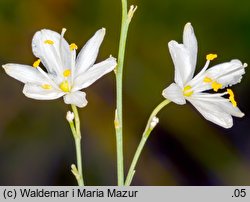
[[231, 97], [230, 92], [211, 56], [187, 91], [50, 42], [216, 86], [36, 63], [65, 87], [234, 103], [73, 46], [67, 73], [46, 86], [207, 80]]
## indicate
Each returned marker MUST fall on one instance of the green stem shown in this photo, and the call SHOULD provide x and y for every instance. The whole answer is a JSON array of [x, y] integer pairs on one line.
[[149, 127], [76, 131], [79, 161], [126, 18]]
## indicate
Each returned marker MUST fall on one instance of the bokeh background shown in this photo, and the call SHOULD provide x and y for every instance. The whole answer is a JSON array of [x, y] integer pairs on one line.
[[36, 147]]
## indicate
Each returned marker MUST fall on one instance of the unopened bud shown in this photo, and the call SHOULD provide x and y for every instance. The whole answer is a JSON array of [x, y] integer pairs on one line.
[[70, 116], [154, 122], [75, 171], [131, 11]]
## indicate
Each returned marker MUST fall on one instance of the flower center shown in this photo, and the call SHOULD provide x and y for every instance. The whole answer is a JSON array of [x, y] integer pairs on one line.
[[187, 91], [64, 86]]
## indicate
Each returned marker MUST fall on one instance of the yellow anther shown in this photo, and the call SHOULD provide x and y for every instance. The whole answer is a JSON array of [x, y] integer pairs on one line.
[[187, 91], [36, 63], [64, 86], [46, 86], [231, 97], [211, 56], [67, 73], [73, 46], [230, 92], [216, 86], [234, 103], [50, 42], [207, 80]]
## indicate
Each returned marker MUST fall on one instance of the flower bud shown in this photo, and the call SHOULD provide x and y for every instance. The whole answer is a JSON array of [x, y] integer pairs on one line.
[[70, 116], [154, 122]]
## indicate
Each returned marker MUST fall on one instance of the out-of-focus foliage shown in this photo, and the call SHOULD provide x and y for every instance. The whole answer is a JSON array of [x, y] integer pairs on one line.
[[36, 147]]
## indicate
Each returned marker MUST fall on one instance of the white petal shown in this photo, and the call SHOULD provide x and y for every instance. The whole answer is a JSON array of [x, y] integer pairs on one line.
[[77, 98], [216, 109], [182, 63], [190, 42], [24, 73], [37, 92], [230, 109], [55, 57], [87, 56], [213, 113], [228, 73], [174, 93], [223, 103], [65, 52], [94, 73]]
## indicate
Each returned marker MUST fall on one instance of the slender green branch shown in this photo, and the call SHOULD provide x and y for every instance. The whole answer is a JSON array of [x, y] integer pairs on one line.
[[152, 122], [126, 18], [76, 131]]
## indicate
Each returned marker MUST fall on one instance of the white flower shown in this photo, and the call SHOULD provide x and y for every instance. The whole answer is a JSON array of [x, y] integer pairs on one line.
[[213, 106], [65, 74]]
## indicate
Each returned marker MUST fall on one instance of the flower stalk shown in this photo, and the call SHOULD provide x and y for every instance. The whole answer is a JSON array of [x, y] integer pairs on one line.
[[126, 18], [152, 122], [76, 131]]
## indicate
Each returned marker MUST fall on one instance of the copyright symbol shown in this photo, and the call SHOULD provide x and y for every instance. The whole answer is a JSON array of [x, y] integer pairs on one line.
[[9, 193]]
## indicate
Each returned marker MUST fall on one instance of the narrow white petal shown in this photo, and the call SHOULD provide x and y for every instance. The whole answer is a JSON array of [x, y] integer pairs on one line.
[[212, 112], [182, 63], [24, 73], [223, 103], [230, 109], [77, 98], [94, 73], [228, 73], [73, 65], [65, 52], [38, 93], [87, 56], [56, 56], [174, 93], [190, 42]]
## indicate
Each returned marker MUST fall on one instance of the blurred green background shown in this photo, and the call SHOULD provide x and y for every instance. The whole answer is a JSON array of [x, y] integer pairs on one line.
[[36, 147]]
